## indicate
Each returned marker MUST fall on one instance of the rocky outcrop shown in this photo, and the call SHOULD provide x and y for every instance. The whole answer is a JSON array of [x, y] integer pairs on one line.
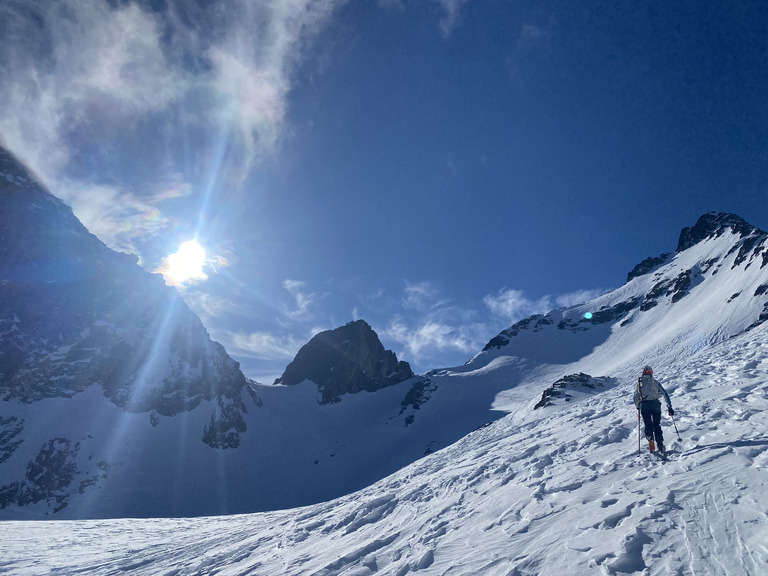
[[567, 387], [346, 360], [648, 265], [534, 323], [419, 394]]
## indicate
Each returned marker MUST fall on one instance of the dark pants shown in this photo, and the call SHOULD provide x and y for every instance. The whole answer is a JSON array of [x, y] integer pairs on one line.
[[651, 411]]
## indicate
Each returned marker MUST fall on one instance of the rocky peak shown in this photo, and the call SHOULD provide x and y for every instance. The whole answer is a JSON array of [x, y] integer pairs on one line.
[[346, 360], [713, 224], [710, 225]]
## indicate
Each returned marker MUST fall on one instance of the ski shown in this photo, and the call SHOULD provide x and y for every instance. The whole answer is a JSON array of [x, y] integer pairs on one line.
[[663, 456]]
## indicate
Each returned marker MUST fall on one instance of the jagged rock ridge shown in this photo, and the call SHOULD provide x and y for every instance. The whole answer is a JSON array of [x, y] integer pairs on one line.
[[346, 360]]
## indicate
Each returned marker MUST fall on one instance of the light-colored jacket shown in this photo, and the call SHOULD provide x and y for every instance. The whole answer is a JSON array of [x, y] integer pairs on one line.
[[648, 388]]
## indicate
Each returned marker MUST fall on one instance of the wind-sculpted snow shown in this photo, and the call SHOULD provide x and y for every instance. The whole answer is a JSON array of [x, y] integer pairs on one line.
[[559, 490]]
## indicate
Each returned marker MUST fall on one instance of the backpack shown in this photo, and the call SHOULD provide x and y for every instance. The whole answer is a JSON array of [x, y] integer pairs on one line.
[[648, 387]]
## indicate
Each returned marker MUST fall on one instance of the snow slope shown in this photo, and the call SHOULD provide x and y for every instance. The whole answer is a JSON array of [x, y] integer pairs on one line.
[[556, 490], [560, 490]]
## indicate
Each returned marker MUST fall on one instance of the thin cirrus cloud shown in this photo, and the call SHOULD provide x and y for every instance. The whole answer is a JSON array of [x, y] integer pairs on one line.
[[424, 338], [422, 296], [303, 300], [85, 77], [451, 16], [431, 324], [511, 304], [264, 346]]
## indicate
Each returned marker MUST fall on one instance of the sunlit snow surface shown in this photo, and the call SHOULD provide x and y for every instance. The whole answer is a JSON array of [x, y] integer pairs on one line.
[[561, 490]]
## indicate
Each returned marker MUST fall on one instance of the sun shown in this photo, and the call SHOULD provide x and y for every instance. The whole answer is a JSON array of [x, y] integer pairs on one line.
[[185, 265]]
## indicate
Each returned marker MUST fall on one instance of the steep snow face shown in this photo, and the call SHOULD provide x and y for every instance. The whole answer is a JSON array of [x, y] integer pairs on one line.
[[558, 490]]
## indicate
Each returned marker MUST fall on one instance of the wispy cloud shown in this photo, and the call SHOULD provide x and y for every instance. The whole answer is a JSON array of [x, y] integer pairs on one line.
[[514, 304], [578, 297], [209, 307], [422, 296], [451, 16], [87, 78], [264, 346], [432, 324], [428, 336], [302, 299]]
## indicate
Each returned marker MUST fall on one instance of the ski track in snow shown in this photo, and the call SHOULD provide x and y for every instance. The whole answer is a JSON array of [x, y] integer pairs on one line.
[[561, 490]]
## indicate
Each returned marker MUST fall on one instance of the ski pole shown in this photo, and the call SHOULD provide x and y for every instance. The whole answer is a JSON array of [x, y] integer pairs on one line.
[[675, 425], [638, 432]]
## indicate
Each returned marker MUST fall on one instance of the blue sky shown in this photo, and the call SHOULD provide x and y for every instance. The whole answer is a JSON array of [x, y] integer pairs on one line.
[[438, 168]]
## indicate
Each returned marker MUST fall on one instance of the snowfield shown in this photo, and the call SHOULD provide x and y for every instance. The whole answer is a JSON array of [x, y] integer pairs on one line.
[[559, 490]]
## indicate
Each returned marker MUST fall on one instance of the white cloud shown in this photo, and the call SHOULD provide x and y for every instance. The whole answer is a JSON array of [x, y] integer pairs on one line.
[[431, 336], [113, 214], [513, 304], [451, 16], [264, 346], [578, 297], [422, 296], [79, 75], [209, 307], [302, 298]]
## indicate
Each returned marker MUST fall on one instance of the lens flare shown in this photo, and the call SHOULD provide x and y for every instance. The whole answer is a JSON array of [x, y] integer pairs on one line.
[[185, 265], [588, 315]]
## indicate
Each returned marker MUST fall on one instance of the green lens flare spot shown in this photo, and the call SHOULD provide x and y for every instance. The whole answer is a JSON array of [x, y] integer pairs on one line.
[[588, 315]]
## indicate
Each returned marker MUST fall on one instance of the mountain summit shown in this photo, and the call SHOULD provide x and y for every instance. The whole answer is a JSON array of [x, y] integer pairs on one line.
[[346, 360], [714, 224]]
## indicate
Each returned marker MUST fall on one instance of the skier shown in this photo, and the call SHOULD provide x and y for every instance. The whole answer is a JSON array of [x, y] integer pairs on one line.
[[648, 404]]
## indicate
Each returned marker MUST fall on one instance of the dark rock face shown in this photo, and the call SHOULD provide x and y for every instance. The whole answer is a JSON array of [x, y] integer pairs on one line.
[[647, 265], [678, 288], [48, 476], [346, 360], [10, 428], [74, 313], [604, 315], [417, 396], [574, 382], [534, 323]]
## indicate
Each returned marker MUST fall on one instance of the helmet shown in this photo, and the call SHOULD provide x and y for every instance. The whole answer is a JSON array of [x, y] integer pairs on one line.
[[647, 370]]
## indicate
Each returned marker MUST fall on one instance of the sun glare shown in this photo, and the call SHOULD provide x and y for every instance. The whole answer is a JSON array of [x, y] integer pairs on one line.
[[185, 265]]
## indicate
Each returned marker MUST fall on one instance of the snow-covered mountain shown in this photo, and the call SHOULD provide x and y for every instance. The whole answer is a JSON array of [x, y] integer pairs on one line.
[[557, 486], [115, 402], [84, 334], [103, 452]]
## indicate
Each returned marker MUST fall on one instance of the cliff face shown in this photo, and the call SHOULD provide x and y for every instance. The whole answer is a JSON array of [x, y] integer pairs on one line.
[[346, 360]]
